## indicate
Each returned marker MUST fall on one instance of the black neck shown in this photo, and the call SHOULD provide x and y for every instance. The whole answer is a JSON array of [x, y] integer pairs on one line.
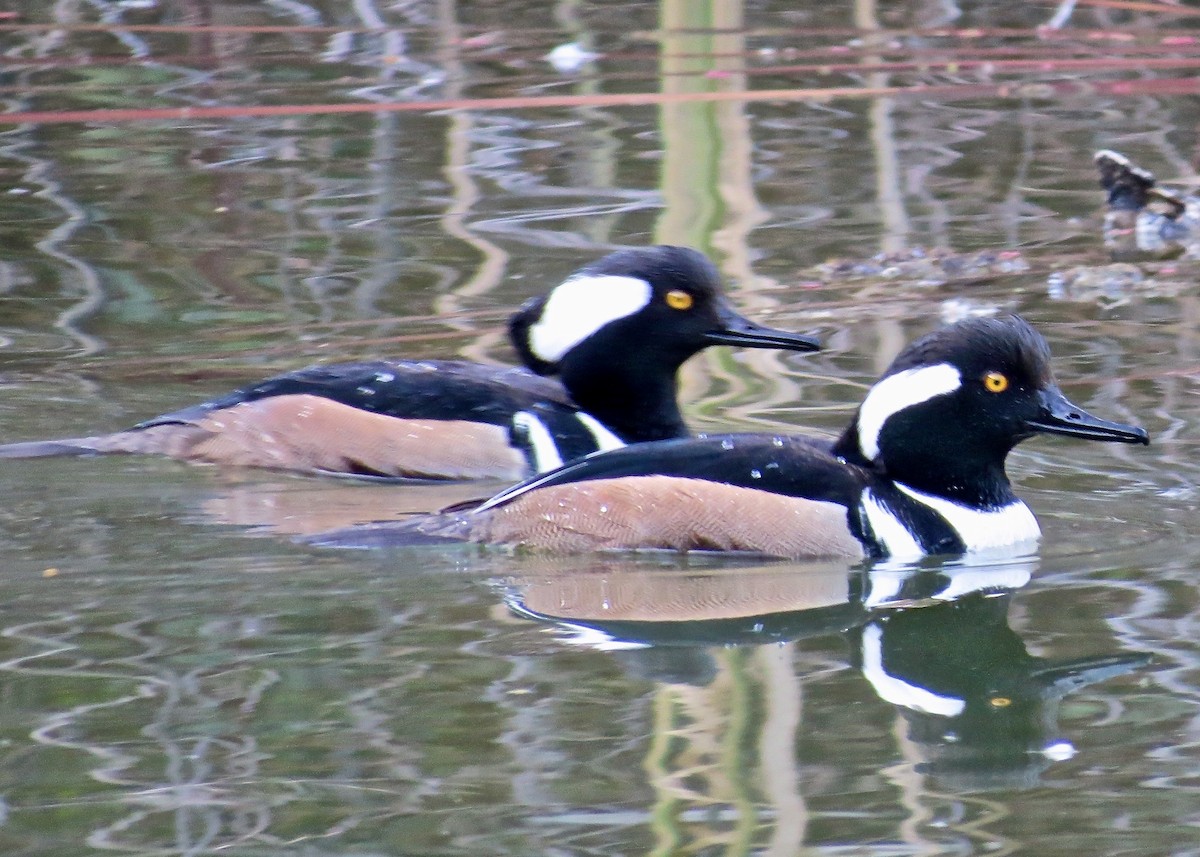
[[847, 447], [634, 402], [966, 473], [982, 485]]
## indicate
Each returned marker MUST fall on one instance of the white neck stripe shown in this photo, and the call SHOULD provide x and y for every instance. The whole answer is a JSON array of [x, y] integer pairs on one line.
[[605, 439], [541, 442], [890, 530], [983, 529], [579, 307], [897, 392]]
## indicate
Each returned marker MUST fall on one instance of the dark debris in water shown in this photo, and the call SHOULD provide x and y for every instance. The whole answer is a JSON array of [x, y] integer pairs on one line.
[[925, 266], [1110, 284], [1119, 282]]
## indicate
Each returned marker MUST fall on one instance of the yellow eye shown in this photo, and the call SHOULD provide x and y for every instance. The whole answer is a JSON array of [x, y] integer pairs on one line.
[[995, 382], [1000, 701], [679, 299]]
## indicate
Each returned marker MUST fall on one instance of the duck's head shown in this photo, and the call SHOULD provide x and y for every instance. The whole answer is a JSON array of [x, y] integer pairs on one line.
[[954, 403], [647, 309]]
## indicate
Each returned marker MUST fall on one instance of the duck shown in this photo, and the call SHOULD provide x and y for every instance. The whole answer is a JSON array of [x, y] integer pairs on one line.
[[1142, 219], [919, 471], [600, 353]]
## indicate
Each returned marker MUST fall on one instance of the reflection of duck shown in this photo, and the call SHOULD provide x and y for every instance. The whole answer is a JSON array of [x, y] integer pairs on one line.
[[632, 603], [614, 334], [920, 470], [1142, 218], [981, 710], [297, 507]]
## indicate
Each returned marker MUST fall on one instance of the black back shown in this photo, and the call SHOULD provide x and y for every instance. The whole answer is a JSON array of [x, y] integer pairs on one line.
[[426, 389], [791, 466]]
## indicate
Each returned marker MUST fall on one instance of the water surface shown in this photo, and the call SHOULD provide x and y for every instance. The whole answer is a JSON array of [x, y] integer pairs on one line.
[[179, 675]]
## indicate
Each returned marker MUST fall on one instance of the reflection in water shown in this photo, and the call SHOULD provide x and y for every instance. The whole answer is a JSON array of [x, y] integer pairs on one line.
[[888, 190], [935, 643], [636, 607], [981, 710], [173, 689], [83, 281], [293, 507]]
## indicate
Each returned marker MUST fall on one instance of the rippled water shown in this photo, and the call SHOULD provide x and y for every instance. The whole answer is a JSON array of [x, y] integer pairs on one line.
[[178, 675]]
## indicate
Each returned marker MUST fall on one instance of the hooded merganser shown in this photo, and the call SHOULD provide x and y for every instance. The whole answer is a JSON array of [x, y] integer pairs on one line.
[[920, 470], [614, 333], [1142, 219]]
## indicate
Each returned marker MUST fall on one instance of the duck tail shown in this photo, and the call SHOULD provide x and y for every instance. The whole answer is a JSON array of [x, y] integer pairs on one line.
[[422, 530], [76, 446]]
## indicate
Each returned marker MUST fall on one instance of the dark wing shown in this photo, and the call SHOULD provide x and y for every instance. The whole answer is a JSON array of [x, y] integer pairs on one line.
[[426, 389], [780, 464]]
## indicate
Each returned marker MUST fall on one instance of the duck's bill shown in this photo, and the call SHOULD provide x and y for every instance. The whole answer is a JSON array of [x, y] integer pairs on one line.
[[1060, 416], [1058, 679], [738, 330]]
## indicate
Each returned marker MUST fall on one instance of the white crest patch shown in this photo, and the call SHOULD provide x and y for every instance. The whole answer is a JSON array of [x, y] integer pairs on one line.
[[984, 529], [579, 307], [897, 392], [897, 691], [541, 442], [605, 440]]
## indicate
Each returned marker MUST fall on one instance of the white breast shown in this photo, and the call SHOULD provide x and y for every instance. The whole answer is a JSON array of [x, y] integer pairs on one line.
[[1009, 526]]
